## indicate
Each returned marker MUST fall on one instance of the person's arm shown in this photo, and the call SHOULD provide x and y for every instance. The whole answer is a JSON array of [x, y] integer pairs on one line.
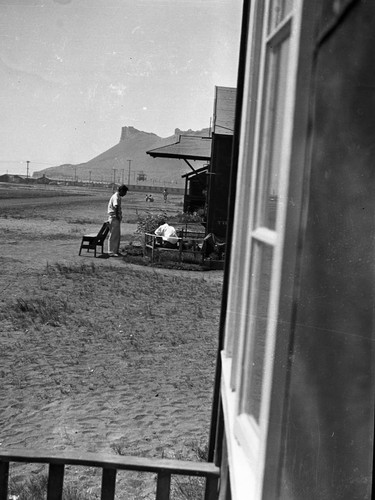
[[118, 208]]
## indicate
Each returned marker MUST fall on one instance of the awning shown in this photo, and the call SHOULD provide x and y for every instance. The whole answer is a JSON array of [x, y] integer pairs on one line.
[[188, 147]]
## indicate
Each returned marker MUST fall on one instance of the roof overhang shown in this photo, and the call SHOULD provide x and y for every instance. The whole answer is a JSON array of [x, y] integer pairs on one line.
[[188, 147]]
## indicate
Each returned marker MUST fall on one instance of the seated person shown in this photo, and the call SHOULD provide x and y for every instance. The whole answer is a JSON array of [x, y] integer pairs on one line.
[[168, 235]]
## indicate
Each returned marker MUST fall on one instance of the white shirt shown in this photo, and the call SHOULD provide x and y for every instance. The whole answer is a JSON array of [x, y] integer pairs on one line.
[[168, 233], [114, 207]]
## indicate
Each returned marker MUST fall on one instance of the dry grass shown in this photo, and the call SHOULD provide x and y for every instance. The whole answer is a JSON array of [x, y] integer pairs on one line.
[[101, 356]]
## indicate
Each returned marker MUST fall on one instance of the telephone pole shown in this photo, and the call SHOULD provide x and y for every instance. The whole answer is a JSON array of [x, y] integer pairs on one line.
[[129, 161], [27, 170]]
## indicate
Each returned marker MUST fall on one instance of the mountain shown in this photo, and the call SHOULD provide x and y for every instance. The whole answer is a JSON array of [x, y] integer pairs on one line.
[[114, 163]]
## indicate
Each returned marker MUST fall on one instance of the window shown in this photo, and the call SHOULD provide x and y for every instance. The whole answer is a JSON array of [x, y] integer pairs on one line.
[[259, 226]]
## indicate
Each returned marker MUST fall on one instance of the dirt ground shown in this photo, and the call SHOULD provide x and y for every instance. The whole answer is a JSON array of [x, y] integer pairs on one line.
[[98, 354]]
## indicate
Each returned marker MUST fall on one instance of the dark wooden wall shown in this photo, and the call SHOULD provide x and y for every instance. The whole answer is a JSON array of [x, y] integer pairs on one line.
[[196, 199], [218, 193], [330, 417]]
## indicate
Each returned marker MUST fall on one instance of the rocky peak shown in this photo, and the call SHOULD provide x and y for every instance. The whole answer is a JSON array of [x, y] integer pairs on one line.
[[127, 132]]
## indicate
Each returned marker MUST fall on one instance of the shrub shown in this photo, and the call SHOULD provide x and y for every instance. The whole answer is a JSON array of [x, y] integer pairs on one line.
[[147, 223]]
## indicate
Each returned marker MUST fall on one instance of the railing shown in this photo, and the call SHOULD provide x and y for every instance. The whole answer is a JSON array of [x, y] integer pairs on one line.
[[188, 244], [164, 469]]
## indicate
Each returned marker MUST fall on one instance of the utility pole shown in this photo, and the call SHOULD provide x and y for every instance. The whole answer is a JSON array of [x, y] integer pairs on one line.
[[27, 170], [123, 175], [129, 161], [114, 176]]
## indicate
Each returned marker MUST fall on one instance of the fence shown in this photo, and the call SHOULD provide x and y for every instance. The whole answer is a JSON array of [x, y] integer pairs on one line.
[[163, 468]]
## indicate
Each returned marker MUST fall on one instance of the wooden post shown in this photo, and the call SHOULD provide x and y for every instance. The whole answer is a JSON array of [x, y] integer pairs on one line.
[[55, 482], [108, 484], [163, 486], [4, 476], [211, 492]]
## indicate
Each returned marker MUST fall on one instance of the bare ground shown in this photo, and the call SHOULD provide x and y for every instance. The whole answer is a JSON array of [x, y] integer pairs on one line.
[[98, 354]]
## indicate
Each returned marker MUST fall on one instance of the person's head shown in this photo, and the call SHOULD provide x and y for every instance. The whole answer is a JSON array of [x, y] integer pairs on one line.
[[122, 190]]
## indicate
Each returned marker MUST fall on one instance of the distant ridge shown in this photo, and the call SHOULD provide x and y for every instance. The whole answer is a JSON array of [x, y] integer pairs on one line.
[[132, 146]]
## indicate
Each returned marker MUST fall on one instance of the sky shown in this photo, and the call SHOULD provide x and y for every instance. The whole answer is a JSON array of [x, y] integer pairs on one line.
[[74, 72]]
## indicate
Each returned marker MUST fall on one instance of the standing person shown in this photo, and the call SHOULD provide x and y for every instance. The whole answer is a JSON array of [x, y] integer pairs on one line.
[[165, 194], [114, 219]]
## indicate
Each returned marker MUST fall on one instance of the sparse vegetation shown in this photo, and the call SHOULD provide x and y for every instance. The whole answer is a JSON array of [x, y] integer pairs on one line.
[[79, 221], [98, 355], [67, 270], [187, 487], [186, 217], [46, 310], [35, 488]]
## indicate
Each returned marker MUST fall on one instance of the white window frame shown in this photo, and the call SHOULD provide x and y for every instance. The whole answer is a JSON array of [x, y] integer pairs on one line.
[[246, 430]]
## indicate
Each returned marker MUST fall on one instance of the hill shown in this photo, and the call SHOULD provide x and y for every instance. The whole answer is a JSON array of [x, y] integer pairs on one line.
[[114, 163]]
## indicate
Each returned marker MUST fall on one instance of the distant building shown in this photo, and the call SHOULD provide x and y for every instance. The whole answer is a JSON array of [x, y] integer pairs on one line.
[[42, 180], [14, 178], [190, 148]]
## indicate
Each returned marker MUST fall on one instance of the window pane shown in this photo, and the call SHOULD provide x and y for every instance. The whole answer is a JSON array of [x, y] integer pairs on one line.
[[260, 292], [272, 134], [279, 9]]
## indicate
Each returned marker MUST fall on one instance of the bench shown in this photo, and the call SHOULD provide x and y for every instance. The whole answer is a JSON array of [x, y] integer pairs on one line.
[[91, 241]]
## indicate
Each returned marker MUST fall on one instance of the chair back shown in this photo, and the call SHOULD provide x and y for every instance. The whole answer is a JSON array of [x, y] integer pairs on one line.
[[102, 234]]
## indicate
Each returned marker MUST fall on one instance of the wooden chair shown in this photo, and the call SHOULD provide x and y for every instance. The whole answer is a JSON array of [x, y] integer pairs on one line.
[[91, 241]]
